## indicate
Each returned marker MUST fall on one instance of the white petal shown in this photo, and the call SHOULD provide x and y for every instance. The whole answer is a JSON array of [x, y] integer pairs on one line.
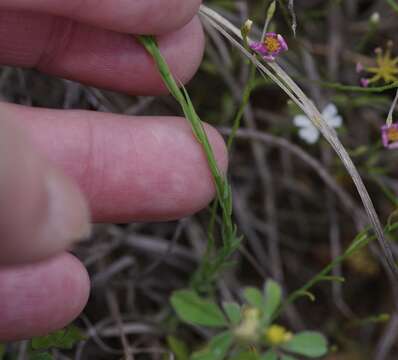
[[309, 134], [301, 121], [329, 111], [335, 121]]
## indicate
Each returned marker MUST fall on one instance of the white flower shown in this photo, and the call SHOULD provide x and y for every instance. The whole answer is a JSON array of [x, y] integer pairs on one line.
[[308, 132], [375, 18]]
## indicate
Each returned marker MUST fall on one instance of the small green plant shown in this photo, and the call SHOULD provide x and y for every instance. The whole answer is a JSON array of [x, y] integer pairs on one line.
[[39, 348], [247, 331], [62, 339]]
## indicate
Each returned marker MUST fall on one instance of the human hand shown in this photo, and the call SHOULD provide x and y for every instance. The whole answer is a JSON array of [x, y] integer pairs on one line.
[[59, 168]]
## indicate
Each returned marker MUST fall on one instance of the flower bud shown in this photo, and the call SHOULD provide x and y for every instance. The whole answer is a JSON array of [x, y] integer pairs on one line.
[[271, 11], [375, 18], [277, 335], [246, 28]]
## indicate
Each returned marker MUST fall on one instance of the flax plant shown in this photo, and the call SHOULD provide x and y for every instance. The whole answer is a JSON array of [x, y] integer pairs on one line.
[[271, 69], [212, 262]]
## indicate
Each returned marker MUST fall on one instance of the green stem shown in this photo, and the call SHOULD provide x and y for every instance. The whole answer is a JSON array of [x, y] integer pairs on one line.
[[361, 240], [393, 4], [213, 261], [246, 97]]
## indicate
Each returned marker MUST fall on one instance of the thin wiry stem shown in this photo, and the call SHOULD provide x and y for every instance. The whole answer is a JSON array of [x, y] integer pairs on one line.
[[270, 15], [282, 79], [210, 266], [293, 15]]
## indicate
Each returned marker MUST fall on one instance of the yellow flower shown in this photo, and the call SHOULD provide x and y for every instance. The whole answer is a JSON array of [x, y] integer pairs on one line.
[[386, 68], [276, 335]]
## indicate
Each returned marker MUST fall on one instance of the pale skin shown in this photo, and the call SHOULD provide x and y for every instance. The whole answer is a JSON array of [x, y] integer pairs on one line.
[[60, 170]]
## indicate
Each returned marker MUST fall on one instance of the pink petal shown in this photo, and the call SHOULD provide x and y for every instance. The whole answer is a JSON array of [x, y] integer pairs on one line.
[[282, 43], [364, 82], [384, 136]]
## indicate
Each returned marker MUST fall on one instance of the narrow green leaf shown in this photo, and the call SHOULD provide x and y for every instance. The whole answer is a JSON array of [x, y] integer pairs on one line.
[[308, 343], [233, 312], [273, 296], [41, 356], [254, 297], [307, 294], [217, 349], [358, 243], [369, 320], [178, 347], [339, 279], [393, 4], [269, 355], [195, 310], [205, 276]]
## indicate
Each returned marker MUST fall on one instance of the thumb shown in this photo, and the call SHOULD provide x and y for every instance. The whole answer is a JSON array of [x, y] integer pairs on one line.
[[42, 212]]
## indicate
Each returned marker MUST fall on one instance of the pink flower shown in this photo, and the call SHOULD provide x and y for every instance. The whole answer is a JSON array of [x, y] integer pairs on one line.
[[359, 67], [271, 47], [364, 82], [389, 136]]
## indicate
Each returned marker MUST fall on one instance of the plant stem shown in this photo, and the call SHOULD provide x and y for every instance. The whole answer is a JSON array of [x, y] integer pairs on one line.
[[213, 261]]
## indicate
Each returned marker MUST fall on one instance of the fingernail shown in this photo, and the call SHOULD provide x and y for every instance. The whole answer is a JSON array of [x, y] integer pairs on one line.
[[68, 213]]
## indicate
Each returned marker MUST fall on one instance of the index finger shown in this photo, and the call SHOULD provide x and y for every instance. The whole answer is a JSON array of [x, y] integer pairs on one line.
[[128, 16]]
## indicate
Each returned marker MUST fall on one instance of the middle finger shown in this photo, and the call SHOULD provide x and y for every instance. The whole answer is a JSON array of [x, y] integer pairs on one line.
[[96, 56]]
